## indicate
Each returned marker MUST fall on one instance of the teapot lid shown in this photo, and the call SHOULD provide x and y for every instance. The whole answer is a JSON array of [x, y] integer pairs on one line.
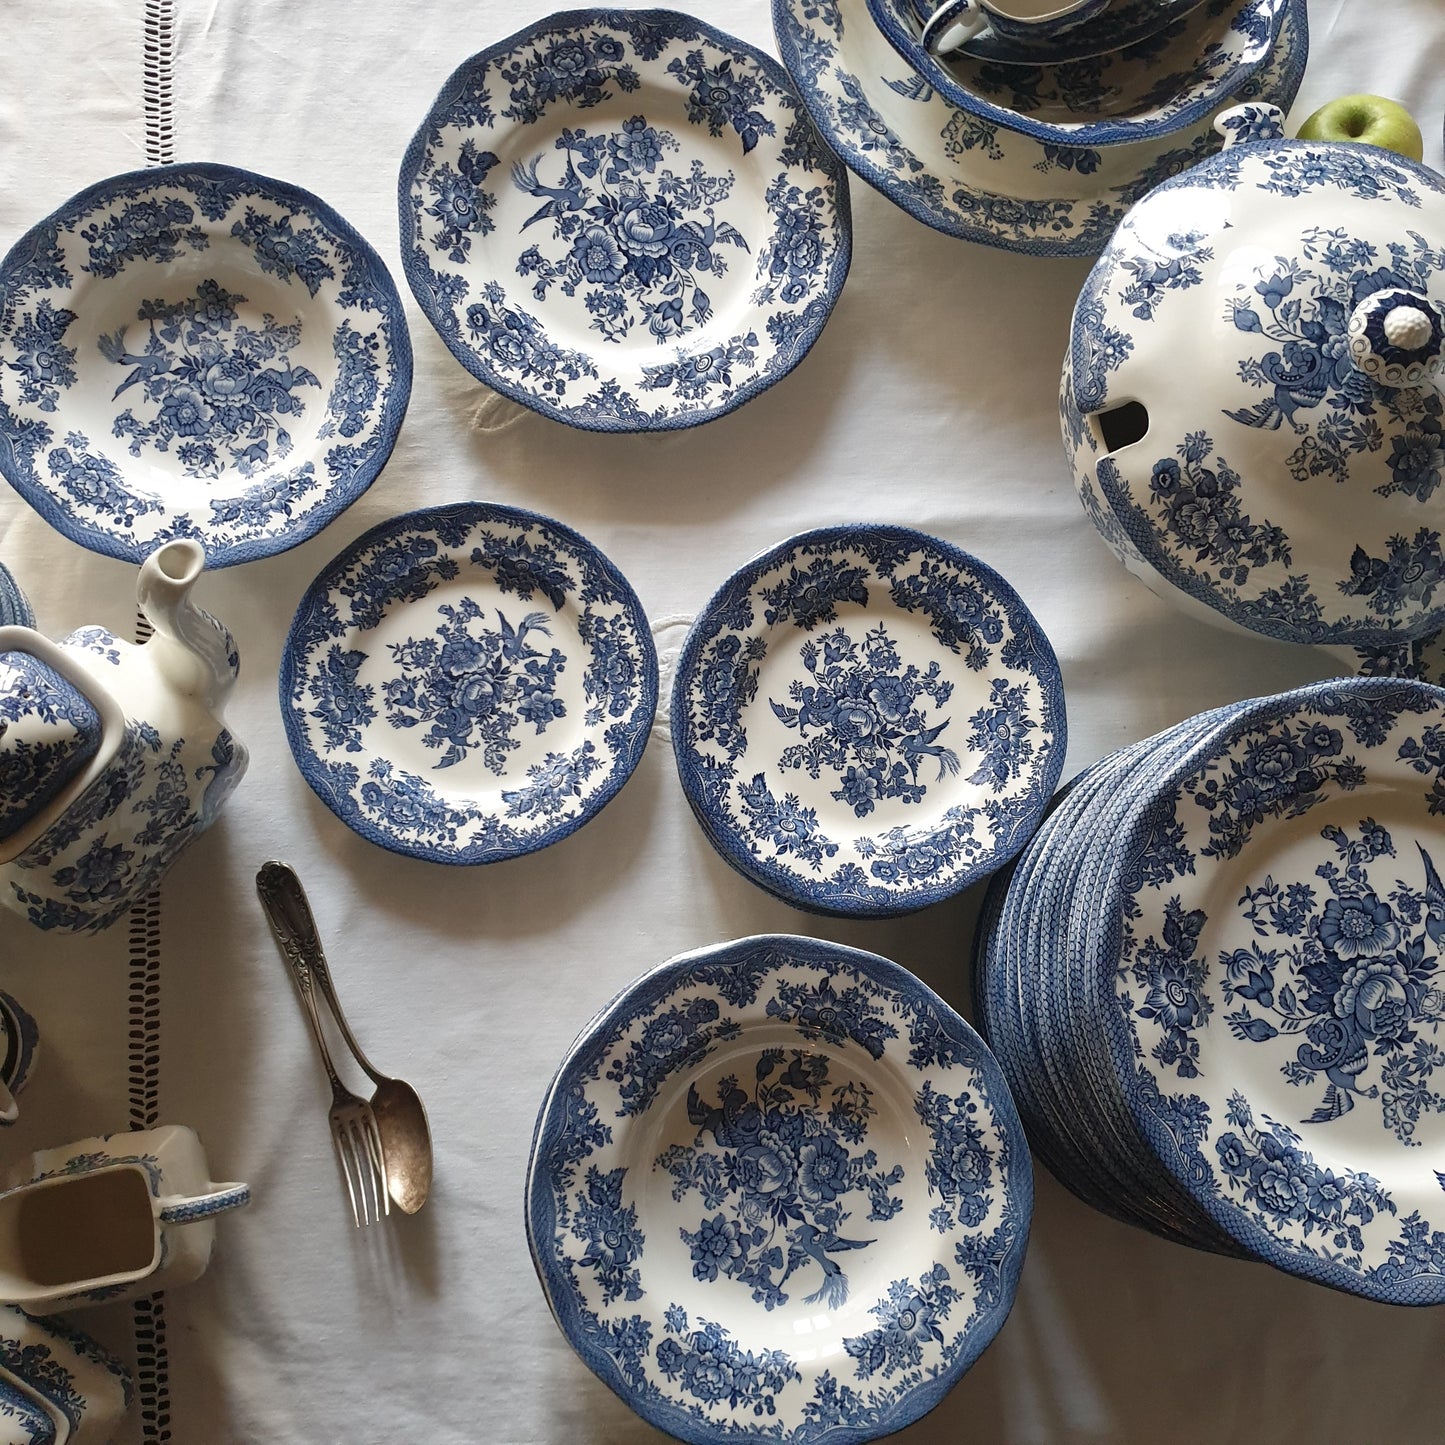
[[49, 731], [1255, 355]]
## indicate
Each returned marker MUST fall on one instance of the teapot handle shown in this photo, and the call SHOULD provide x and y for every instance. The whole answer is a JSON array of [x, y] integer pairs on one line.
[[187, 1208]]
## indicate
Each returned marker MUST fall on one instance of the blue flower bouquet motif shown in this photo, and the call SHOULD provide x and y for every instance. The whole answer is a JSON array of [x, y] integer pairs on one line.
[[468, 683], [867, 719], [666, 239], [1279, 984], [251, 383], [1293, 486], [767, 1139]]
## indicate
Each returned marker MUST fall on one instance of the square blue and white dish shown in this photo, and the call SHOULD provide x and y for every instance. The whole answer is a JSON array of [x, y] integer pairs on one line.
[[624, 220], [468, 683], [778, 1190], [867, 719], [197, 351]]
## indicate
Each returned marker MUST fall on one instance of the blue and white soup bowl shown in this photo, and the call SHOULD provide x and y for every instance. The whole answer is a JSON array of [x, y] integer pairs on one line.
[[1250, 400], [779, 1191]]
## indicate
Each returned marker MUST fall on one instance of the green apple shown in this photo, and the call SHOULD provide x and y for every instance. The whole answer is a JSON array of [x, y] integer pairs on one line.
[[1370, 119]]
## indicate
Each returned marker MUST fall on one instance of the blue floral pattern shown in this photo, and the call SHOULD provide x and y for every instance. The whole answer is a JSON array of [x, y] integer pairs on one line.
[[48, 732], [1327, 972], [520, 668], [635, 230], [205, 381], [958, 725], [786, 1187], [1293, 405], [900, 135]]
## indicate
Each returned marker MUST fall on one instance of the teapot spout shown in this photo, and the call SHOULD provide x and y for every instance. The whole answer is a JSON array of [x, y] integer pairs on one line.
[[192, 648]]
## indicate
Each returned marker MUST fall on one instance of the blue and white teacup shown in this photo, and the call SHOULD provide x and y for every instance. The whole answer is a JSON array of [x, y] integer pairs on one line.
[[950, 24], [109, 1219], [19, 1040]]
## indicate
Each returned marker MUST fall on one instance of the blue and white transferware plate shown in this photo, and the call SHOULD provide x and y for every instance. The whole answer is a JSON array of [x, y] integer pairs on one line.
[[779, 1191], [624, 220], [197, 351], [468, 683], [867, 720], [1277, 1005], [975, 177], [1288, 479], [15, 608]]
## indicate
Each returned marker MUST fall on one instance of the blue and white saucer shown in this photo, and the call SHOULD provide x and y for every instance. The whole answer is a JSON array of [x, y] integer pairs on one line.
[[779, 1191], [867, 720], [197, 351], [468, 683], [624, 220]]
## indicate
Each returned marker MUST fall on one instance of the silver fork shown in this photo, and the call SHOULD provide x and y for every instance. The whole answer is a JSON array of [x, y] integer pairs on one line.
[[353, 1123]]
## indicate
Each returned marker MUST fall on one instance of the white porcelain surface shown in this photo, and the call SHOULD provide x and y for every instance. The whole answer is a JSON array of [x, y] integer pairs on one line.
[[165, 764], [1278, 483], [178, 1201]]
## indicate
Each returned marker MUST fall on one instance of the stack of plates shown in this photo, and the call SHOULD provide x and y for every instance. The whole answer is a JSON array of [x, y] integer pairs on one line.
[[1213, 983]]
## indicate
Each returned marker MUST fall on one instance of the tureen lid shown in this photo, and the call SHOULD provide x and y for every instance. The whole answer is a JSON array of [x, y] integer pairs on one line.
[[49, 731], [1256, 354]]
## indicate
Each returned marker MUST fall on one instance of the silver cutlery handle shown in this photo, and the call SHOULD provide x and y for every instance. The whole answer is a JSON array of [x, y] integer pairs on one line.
[[295, 930], [286, 905]]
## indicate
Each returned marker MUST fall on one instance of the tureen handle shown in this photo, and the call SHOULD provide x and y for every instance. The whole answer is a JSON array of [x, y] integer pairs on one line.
[[1397, 337], [1256, 120]]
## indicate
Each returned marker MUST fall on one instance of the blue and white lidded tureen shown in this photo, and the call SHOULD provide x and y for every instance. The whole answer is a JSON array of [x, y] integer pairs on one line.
[[1250, 400]]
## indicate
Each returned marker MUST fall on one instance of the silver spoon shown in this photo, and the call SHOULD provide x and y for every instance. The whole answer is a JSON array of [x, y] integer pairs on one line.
[[400, 1115]]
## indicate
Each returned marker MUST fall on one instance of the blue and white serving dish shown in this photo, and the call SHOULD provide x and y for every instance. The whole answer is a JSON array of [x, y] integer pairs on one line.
[[1149, 90], [59, 1378], [467, 683], [980, 178], [1288, 478], [624, 220], [779, 1191], [197, 351], [867, 720]]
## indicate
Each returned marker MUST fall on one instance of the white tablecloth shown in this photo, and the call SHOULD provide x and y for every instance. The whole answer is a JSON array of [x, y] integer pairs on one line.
[[929, 401]]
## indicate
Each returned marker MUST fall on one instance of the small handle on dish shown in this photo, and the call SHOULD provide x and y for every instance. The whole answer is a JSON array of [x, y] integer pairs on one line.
[[951, 24], [1256, 120], [186, 1209]]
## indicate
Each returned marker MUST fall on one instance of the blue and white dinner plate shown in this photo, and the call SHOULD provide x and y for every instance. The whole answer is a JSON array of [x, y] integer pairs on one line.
[[468, 683], [867, 720], [778, 1190], [624, 220], [197, 351], [1277, 1003]]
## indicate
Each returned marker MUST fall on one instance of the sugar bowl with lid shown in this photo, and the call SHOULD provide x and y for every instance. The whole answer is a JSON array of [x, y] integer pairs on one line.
[[1250, 400]]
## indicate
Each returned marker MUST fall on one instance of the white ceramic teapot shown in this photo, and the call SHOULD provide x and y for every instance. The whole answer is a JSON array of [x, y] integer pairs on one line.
[[112, 756]]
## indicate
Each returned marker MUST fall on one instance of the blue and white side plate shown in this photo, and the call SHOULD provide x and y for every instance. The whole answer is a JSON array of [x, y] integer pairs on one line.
[[624, 220], [867, 720], [197, 351], [1278, 1010], [779, 1191], [468, 683]]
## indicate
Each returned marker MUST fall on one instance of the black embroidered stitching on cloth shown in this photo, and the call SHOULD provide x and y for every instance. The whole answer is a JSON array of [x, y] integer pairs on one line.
[[152, 1372]]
